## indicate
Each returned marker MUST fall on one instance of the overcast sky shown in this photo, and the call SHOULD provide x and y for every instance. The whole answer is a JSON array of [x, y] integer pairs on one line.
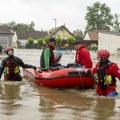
[[42, 12]]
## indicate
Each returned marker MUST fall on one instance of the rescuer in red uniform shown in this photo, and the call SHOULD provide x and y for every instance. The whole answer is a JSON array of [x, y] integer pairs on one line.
[[105, 73], [82, 55]]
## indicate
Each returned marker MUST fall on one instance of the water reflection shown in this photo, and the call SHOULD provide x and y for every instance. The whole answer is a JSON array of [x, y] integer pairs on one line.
[[71, 106], [11, 92], [104, 108], [65, 105], [8, 96]]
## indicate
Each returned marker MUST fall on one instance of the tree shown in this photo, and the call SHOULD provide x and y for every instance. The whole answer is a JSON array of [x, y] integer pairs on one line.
[[59, 40], [30, 41], [11, 24], [40, 42], [20, 26], [116, 25], [79, 34], [32, 25], [70, 40], [46, 39], [98, 17]]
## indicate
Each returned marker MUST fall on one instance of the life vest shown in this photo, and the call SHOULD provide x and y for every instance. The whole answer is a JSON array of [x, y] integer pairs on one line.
[[102, 78], [11, 70], [108, 79]]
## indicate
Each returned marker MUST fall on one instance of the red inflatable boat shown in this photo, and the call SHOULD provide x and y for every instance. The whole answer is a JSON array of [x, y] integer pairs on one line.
[[63, 78]]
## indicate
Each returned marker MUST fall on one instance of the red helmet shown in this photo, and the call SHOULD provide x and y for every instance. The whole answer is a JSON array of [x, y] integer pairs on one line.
[[8, 48], [103, 53]]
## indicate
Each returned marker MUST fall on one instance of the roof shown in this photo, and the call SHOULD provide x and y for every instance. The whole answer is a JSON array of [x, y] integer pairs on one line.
[[53, 31], [31, 34], [112, 33], [93, 35], [5, 30]]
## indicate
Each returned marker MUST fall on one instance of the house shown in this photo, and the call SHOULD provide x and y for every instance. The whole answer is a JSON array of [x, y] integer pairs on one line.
[[21, 37], [5, 37], [109, 41], [61, 32], [91, 37]]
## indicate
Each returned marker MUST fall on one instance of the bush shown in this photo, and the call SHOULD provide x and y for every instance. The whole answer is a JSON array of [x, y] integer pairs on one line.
[[30, 41], [89, 47], [95, 48], [31, 46]]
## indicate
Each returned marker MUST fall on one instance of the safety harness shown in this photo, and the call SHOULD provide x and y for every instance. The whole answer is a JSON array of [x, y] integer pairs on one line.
[[101, 78], [11, 70]]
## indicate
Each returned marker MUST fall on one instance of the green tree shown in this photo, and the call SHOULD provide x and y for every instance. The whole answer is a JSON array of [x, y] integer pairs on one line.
[[116, 25], [70, 40], [20, 26], [46, 39], [59, 40], [30, 41], [40, 42], [11, 24], [98, 17]]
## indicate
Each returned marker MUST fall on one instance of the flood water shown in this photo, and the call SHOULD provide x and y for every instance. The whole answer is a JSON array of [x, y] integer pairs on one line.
[[28, 101]]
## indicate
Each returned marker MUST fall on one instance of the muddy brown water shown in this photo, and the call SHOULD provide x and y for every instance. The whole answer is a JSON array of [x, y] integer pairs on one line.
[[28, 101]]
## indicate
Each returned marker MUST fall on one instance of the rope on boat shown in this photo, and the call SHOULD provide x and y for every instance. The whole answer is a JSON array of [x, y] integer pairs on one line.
[[81, 79]]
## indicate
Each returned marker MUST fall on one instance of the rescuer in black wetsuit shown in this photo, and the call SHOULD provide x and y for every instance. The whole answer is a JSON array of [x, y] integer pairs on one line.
[[10, 66]]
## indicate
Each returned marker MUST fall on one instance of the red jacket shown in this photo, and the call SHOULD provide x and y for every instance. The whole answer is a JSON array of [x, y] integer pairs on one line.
[[83, 57], [112, 70]]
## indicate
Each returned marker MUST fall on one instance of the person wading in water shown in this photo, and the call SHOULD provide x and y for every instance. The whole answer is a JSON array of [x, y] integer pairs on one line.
[[11, 66], [105, 73]]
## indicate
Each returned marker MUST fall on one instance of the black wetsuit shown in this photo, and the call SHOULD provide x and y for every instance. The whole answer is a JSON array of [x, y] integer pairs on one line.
[[15, 62]]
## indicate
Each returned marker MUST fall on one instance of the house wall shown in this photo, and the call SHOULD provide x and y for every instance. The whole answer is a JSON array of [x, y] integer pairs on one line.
[[15, 39], [24, 41], [6, 40], [62, 33], [87, 37], [109, 41]]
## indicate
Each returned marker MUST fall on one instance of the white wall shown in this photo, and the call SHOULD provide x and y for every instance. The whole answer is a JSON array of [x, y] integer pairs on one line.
[[15, 40], [87, 37], [108, 41], [24, 41]]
